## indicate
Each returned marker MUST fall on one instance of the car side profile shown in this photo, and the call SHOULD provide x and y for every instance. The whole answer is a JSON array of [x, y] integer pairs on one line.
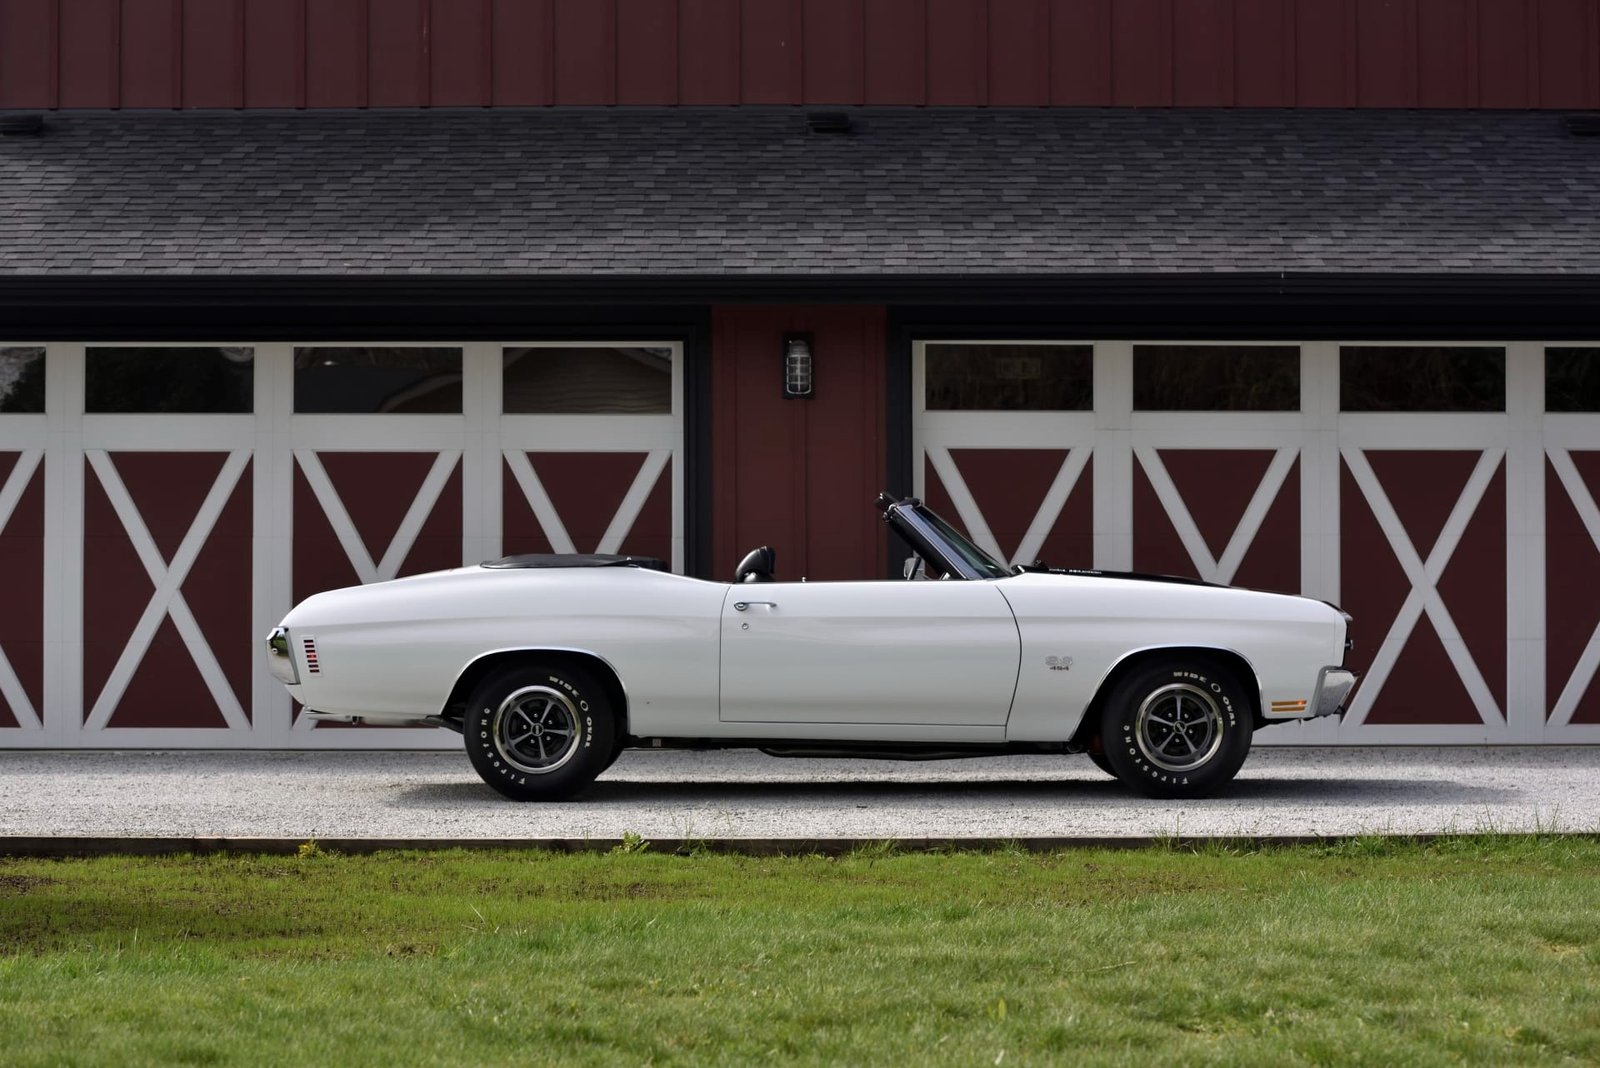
[[550, 666]]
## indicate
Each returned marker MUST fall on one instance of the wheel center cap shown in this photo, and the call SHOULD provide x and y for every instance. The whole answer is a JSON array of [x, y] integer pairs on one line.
[[538, 731]]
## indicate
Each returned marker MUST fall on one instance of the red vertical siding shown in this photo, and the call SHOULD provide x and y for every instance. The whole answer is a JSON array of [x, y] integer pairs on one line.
[[1019, 53], [213, 54], [460, 53], [833, 50], [28, 53], [1080, 52], [1386, 53], [958, 52], [150, 60], [1141, 52], [1263, 65], [896, 52], [397, 74], [1324, 52], [1202, 54], [771, 34], [586, 51], [409, 53], [1567, 47], [524, 52], [274, 53], [336, 54], [1444, 78], [647, 51], [89, 69], [708, 51]]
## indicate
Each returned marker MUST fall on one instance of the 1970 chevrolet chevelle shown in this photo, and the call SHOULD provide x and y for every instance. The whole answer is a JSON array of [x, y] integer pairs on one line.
[[550, 666]]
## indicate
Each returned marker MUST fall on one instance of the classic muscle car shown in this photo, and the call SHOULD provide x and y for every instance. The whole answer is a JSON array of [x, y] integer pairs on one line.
[[550, 666]]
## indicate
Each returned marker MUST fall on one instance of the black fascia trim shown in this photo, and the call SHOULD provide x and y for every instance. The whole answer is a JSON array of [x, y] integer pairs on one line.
[[697, 446], [220, 295], [897, 474]]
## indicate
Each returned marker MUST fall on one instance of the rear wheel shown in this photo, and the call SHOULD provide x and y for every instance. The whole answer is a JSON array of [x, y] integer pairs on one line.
[[1099, 760], [1177, 729], [539, 733]]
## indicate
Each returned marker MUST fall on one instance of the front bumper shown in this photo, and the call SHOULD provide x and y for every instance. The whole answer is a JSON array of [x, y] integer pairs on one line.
[[1333, 689]]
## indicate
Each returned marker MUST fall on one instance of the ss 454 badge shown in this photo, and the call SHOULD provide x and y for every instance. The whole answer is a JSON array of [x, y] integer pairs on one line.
[[1058, 663]]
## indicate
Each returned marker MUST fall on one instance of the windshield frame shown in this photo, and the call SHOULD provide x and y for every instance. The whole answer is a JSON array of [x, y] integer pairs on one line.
[[940, 543]]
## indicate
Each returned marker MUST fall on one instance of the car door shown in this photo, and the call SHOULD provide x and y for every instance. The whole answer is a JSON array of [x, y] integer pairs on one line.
[[804, 653]]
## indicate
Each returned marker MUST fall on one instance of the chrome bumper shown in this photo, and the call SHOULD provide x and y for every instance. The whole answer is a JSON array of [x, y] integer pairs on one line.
[[280, 659], [1333, 687]]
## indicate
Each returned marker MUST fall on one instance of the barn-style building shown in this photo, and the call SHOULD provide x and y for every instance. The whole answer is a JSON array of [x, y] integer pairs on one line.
[[1294, 294]]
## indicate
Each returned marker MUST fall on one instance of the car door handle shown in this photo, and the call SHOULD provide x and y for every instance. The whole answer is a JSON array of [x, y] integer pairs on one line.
[[740, 606]]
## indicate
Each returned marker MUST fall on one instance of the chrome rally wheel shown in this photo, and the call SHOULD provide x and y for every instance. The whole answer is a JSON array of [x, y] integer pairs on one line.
[[536, 729], [1178, 727], [540, 732]]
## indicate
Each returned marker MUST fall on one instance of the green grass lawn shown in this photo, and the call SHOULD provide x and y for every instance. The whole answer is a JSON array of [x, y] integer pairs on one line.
[[1477, 950]]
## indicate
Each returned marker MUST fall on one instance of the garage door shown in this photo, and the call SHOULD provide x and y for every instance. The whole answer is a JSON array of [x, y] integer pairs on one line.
[[1444, 493], [162, 505]]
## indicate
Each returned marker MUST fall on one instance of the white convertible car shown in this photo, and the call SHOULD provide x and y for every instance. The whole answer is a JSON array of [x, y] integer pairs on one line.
[[552, 665]]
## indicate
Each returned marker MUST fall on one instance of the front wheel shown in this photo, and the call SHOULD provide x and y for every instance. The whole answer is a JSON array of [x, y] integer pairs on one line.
[[1177, 729], [539, 733]]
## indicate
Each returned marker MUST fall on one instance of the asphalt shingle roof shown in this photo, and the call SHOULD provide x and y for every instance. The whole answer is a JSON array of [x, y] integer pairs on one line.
[[753, 191]]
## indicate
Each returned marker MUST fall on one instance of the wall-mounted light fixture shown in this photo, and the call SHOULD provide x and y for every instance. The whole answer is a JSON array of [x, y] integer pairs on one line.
[[797, 379]]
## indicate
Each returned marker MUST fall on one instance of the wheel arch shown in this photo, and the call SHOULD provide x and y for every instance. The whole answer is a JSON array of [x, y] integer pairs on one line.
[[587, 660], [1137, 659]]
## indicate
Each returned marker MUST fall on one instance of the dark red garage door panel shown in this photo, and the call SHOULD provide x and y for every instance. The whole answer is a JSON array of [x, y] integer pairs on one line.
[[22, 578], [144, 666], [1425, 490]]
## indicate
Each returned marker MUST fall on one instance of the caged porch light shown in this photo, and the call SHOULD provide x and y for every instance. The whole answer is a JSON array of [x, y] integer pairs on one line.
[[797, 374]]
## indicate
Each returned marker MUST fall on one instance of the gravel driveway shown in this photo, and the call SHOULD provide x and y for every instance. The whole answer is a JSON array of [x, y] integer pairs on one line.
[[723, 795]]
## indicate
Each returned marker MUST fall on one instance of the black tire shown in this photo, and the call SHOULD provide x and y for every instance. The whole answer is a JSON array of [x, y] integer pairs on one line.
[[1177, 729], [1099, 760], [540, 733]]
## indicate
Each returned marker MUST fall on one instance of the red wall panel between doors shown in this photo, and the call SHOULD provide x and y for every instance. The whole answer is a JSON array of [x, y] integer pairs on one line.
[[799, 475], [409, 53]]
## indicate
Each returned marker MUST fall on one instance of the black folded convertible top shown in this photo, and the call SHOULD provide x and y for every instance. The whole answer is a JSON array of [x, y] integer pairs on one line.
[[577, 560]]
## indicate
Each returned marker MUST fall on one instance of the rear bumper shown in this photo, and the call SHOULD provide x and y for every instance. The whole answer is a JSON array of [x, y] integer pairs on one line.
[[1333, 690]]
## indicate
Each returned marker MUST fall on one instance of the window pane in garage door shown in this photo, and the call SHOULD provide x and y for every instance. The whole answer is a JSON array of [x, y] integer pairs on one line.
[[1572, 380], [176, 379], [587, 380], [1216, 378], [1010, 378], [21, 380], [1422, 378], [344, 379]]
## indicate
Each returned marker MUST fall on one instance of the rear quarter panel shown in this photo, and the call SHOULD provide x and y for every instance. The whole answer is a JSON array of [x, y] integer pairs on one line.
[[394, 650]]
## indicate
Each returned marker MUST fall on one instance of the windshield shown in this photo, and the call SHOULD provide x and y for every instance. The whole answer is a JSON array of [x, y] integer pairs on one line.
[[985, 565]]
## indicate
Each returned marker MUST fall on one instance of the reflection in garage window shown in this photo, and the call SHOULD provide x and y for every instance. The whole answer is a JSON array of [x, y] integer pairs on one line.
[[1422, 378], [587, 380], [195, 380], [1216, 378], [21, 380], [352, 380], [1572, 380], [1010, 378]]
